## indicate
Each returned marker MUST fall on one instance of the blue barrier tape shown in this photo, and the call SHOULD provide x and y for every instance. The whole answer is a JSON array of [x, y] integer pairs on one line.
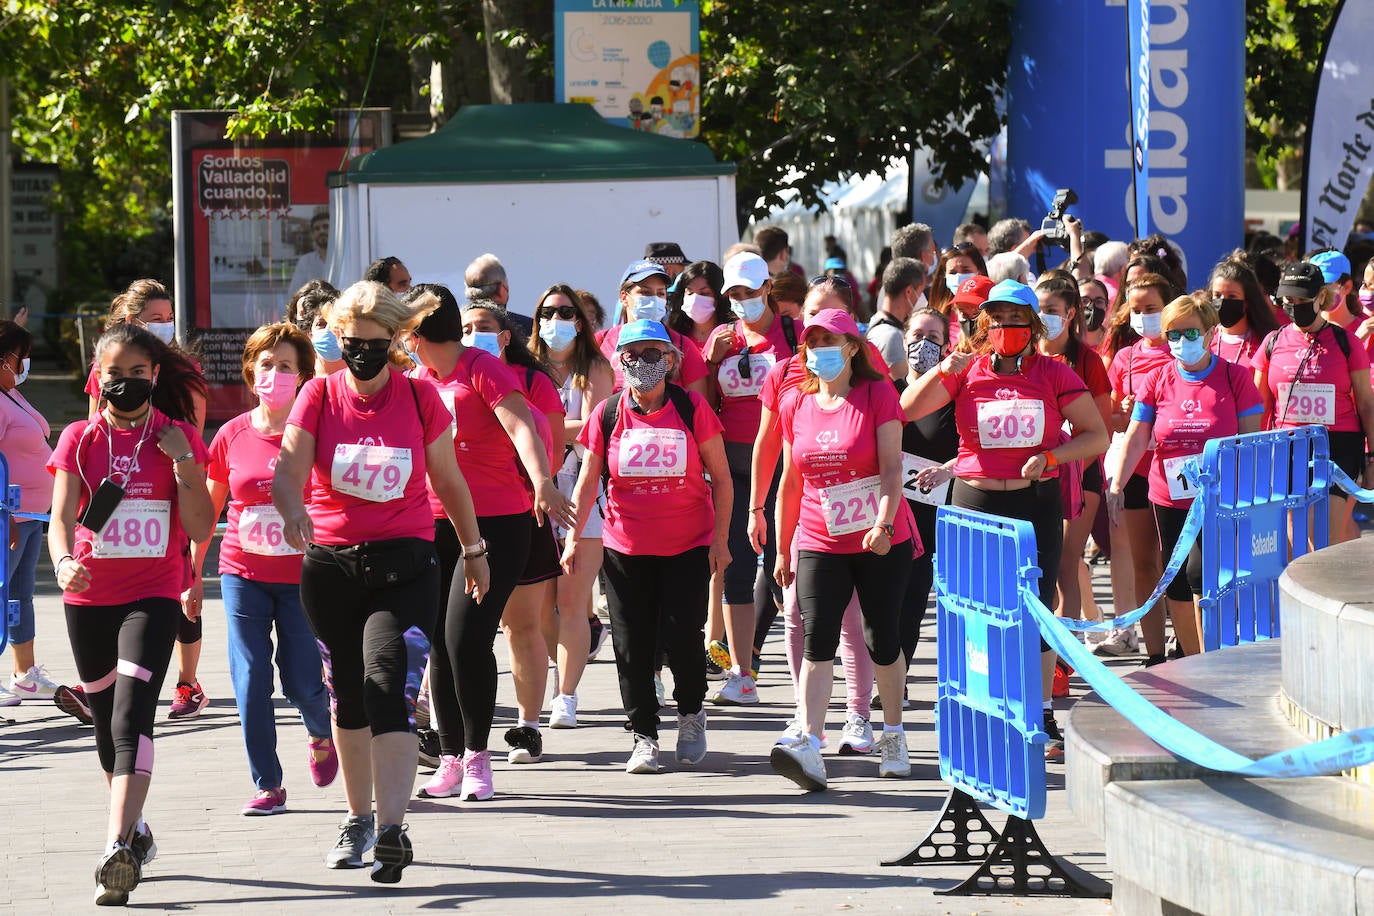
[[1349, 486], [1322, 758]]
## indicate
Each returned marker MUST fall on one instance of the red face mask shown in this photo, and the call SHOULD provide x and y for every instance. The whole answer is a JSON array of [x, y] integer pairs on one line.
[[1009, 341]]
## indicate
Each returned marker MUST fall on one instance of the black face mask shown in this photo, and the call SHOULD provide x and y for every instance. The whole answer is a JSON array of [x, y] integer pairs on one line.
[[1304, 314], [969, 327], [1093, 318], [1229, 311], [365, 364], [127, 394]]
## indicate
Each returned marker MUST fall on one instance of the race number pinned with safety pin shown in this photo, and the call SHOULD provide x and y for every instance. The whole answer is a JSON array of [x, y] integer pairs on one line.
[[261, 532], [653, 453], [1180, 487], [138, 529], [735, 385], [851, 507], [912, 466], [1307, 402], [1016, 423], [375, 473]]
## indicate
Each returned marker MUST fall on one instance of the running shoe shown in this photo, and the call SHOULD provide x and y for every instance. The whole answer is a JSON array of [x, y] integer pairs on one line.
[[600, 633], [644, 757], [477, 776], [739, 690], [1120, 641], [1054, 748], [391, 854], [1172, 649], [715, 672], [719, 653], [427, 746], [691, 738], [563, 711], [267, 801], [187, 702], [799, 761], [72, 701], [422, 713], [1060, 687], [7, 698], [1152, 660], [526, 745], [33, 684], [446, 779], [323, 770], [795, 731], [143, 846], [116, 875], [1094, 638], [893, 760], [356, 836], [857, 736]]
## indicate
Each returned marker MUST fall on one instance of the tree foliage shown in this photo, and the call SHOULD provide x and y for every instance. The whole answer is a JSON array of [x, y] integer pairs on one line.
[[1283, 47]]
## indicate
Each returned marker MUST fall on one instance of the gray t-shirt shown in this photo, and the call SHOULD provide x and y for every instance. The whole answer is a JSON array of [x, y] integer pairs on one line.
[[888, 339]]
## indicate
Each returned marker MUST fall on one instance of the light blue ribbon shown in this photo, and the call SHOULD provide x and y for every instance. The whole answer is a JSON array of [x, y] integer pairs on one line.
[[1343, 479]]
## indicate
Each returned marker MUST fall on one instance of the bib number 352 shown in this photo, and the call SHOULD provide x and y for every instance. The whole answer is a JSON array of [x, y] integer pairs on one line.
[[375, 473]]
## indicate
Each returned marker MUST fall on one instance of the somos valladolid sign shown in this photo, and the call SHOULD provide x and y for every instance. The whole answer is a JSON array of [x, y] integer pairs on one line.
[[1072, 120]]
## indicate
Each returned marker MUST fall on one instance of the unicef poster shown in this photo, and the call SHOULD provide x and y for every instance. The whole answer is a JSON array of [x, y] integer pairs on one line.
[[638, 62]]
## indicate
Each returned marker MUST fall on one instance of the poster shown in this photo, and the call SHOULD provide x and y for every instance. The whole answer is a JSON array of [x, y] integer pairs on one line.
[[34, 239], [252, 225], [638, 62]]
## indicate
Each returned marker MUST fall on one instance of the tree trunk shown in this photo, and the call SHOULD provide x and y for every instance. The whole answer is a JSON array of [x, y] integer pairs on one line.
[[524, 24]]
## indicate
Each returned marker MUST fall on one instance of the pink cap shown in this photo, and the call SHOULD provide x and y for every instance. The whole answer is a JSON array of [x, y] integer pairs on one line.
[[836, 321]]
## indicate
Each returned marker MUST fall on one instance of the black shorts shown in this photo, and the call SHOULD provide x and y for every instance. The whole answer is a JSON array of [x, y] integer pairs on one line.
[[1347, 451], [1093, 481], [1136, 493], [542, 564]]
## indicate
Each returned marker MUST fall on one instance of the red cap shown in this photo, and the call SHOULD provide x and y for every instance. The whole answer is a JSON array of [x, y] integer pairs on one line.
[[973, 291]]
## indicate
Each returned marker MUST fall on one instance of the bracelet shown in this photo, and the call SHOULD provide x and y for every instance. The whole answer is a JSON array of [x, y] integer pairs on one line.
[[60, 560], [184, 457], [476, 550], [1050, 461], [757, 509]]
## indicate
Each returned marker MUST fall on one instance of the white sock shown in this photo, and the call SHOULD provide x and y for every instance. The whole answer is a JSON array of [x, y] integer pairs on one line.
[[736, 670], [887, 729], [1049, 706], [527, 724]]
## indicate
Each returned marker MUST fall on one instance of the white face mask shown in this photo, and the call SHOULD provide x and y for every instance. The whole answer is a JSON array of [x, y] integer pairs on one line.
[[23, 373], [1054, 326], [165, 331], [699, 308], [652, 308], [1148, 326], [952, 281], [748, 309]]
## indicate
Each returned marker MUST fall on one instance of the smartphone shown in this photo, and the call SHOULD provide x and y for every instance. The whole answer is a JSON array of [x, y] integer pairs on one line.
[[104, 501]]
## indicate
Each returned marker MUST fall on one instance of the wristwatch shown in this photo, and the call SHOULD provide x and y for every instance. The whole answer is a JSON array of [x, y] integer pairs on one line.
[[888, 530], [473, 551]]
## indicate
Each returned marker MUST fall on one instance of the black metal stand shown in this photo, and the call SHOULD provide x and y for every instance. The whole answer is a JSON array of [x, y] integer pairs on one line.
[[960, 834], [1020, 866]]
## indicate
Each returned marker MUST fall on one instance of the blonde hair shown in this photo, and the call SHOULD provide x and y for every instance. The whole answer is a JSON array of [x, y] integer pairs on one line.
[[377, 303], [1185, 306]]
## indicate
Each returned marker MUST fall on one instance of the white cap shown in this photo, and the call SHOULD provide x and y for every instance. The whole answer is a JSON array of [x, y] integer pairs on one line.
[[745, 269]]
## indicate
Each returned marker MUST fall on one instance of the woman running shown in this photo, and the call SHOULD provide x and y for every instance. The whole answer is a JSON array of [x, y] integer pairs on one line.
[[128, 497]]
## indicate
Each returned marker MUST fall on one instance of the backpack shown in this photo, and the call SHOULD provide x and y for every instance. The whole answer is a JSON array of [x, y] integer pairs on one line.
[[678, 397], [1342, 341]]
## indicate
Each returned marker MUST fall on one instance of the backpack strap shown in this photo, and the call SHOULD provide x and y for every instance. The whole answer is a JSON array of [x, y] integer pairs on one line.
[[1338, 332], [678, 397], [789, 332]]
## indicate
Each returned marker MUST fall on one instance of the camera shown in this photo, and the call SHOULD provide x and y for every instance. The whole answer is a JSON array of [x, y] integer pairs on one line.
[[1052, 228]]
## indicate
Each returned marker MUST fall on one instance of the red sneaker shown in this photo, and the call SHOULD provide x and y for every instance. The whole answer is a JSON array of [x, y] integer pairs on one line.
[[187, 702], [1061, 680], [72, 701]]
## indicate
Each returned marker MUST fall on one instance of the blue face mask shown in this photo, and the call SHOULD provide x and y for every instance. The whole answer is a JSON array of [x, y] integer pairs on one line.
[[826, 362], [651, 308], [1054, 326], [558, 333], [485, 340], [326, 345], [952, 281], [750, 310], [1188, 352]]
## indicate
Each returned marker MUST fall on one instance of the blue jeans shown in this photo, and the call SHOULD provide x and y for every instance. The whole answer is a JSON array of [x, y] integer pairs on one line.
[[22, 573], [252, 608]]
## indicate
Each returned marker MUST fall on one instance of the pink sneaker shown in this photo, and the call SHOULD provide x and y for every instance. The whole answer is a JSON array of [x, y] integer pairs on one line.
[[323, 771], [267, 801], [477, 776], [445, 780]]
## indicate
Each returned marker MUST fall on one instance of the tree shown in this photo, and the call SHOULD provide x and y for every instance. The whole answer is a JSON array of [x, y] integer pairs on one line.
[[1283, 46]]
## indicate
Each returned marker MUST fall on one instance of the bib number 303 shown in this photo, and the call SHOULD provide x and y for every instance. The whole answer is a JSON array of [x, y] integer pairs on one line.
[[138, 529], [851, 507], [1018, 423], [375, 473]]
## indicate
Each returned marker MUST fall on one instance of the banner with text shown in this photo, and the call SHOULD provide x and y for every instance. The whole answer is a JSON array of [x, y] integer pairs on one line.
[[1138, 60]]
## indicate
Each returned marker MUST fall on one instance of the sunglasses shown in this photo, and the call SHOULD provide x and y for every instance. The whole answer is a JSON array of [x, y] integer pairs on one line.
[[823, 278], [1186, 334], [566, 312], [962, 246], [374, 344], [650, 355], [743, 366]]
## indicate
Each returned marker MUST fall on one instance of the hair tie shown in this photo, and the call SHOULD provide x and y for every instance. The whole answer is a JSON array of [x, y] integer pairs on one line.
[[1160, 254]]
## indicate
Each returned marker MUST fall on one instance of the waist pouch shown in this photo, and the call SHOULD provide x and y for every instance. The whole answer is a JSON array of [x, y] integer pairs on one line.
[[383, 564]]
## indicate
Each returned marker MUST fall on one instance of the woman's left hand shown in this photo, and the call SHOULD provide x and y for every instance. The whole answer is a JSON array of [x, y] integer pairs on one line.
[[551, 503], [477, 576], [876, 541], [193, 598], [1035, 467], [172, 441]]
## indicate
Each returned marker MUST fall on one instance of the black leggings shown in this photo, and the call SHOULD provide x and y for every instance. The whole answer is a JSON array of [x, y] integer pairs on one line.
[[767, 591], [1188, 581], [653, 601], [826, 582], [121, 653], [188, 631], [464, 704], [373, 641], [922, 579], [1042, 505]]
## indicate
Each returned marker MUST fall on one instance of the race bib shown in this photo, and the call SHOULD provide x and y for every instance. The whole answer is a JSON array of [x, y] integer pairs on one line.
[[139, 528], [733, 384], [653, 453], [1018, 423], [851, 507], [260, 532], [913, 465], [375, 473], [1307, 402], [1179, 486]]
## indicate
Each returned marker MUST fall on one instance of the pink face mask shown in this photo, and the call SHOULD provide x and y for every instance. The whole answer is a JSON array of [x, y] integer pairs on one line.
[[275, 389], [1367, 299]]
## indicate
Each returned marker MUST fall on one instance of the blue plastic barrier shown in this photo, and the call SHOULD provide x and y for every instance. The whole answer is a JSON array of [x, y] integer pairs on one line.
[[8, 505], [1258, 488]]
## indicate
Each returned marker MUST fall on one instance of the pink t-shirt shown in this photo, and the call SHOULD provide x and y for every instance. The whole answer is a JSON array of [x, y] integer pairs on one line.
[[836, 450], [486, 455], [1235, 349], [1128, 372], [253, 546], [693, 366], [1323, 394], [790, 372], [142, 552], [368, 480], [657, 502], [1004, 420], [545, 407], [739, 393], [24, 440], [1187, 411]]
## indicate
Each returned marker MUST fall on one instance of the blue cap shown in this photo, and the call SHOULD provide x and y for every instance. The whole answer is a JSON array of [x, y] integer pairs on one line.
[[1015, 293], [644, 329], [1333, 264], [833, 264], [642, 270]]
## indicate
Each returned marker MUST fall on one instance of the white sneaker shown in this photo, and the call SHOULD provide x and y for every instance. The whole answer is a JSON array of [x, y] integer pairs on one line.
[[795, 731], [33, 685], [801, 762], [858, 736], [644, 757], [7, 698], [1094, 638], [739, 690], [563, 711], [894, 762], [1119, 642], [691, 738]]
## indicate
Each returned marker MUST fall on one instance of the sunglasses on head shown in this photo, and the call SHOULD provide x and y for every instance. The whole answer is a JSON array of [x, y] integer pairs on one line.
[[962, 246], [376, 344], [1186, 334], [826, 278], [566, 312], [650, 355]]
